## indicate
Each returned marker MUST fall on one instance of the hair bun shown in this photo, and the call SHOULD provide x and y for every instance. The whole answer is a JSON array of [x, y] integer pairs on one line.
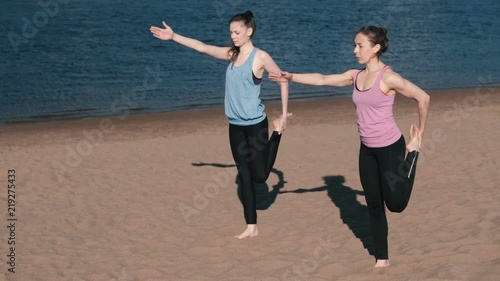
[[248, 13], [376, 35]]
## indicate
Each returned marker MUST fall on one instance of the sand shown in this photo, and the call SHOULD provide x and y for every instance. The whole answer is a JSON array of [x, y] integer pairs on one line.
[[153, 197]]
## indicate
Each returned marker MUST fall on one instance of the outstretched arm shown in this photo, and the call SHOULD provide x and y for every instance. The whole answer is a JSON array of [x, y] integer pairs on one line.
[[397, 83], [167, 33], [316, 79]]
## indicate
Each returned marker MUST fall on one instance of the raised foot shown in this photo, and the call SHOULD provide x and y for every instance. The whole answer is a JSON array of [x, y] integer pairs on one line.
[[251, 231], [414, 142], [277, 122], [382, 263]]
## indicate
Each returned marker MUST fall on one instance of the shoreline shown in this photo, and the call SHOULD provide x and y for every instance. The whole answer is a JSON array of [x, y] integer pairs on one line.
[[166, 124], [269, 104], [138, 112]]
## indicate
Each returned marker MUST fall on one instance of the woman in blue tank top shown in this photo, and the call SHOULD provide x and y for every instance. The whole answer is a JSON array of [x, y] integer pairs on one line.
[[253, 151]]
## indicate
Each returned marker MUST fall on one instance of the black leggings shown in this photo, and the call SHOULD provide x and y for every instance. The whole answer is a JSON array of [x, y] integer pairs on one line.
[[386, 176], [254, 154]]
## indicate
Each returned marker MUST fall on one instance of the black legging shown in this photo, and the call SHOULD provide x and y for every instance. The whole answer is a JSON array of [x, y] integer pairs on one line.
[[254, 154], [386, 176]]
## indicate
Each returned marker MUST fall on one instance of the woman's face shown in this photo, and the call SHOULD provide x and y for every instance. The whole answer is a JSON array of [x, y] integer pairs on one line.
[[240, 34], [364, 49]]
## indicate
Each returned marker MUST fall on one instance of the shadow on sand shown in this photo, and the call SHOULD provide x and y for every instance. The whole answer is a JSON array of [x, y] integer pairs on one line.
[[264, 197], [352, 213]]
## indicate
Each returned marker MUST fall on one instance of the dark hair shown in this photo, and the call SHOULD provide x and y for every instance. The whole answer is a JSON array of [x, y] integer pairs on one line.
[[249, 22], [376, 35]]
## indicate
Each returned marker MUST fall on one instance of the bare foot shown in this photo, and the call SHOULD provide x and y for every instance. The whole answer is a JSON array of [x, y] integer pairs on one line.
[[382, 263], [414, 141], [276, 124], [251, 231]]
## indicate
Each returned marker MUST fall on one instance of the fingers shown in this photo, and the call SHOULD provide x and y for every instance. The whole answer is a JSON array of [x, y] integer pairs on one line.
[[274, 75], [282, 126], [277, 74], [156, 32], [420, 136], [278, 80], [155, 29], [285, 74], [282, 129], [280, 77], [282, 123]]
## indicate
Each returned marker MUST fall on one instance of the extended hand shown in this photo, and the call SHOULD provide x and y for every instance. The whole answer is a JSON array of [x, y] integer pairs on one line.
[[280, 77], [162, 33]]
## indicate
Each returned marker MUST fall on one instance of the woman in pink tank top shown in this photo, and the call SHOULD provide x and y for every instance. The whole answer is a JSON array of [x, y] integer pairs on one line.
[[386, 170]]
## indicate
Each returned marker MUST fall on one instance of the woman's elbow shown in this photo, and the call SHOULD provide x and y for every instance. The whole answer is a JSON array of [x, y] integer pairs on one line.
[[425, 100]]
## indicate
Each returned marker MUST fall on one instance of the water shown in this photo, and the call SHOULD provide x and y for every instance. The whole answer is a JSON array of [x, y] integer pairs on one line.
[[97, 57]]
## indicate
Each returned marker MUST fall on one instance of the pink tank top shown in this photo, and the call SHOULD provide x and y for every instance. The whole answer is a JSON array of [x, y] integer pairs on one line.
[[376, 125]]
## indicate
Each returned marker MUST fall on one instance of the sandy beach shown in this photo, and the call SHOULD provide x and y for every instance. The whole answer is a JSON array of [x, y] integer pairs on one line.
[[154, 197]]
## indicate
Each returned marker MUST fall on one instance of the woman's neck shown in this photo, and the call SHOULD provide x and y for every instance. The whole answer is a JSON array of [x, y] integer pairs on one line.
[[374, 65], [246, 48]]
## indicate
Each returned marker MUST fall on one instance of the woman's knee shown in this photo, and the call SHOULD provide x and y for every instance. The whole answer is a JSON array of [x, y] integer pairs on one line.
[[260, 177], [396, 208], [375, 208], [245, 176]]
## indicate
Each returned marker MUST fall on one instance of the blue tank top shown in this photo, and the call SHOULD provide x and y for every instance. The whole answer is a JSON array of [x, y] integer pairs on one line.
[[241, 102]]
